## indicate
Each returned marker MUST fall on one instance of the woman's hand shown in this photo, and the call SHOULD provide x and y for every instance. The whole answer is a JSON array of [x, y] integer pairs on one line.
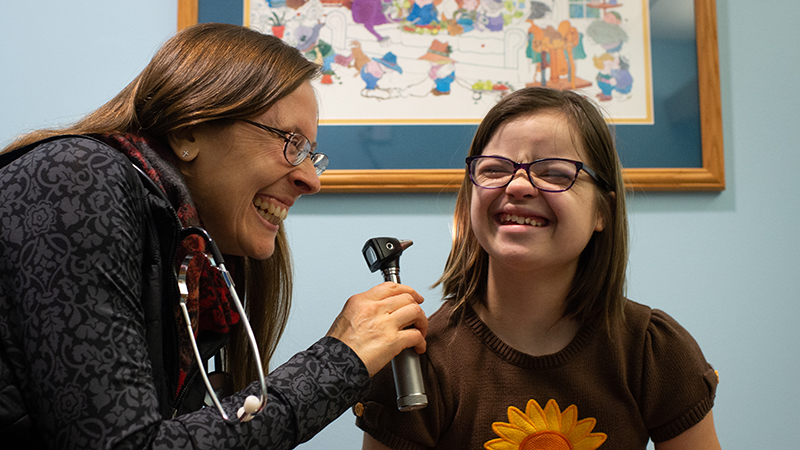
[[380, 323]]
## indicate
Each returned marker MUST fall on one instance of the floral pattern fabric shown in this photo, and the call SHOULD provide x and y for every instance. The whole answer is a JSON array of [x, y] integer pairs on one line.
[[74, 355]]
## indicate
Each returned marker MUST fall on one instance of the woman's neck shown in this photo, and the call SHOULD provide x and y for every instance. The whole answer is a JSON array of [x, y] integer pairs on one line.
[[526, 309]]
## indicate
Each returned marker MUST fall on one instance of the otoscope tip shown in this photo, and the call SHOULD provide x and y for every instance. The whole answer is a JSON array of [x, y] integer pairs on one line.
[[405, 243]]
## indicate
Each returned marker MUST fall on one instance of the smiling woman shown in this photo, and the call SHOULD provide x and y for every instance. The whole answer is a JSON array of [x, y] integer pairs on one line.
[[264, 173], [112, 271]]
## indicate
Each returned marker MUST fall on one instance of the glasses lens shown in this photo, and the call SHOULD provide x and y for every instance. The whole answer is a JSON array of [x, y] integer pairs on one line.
[[320, 162], [554, 174], [491, 172], [298, 149]]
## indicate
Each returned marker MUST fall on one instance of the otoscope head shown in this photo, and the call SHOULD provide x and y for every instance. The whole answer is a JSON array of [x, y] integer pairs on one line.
[[384, 252]]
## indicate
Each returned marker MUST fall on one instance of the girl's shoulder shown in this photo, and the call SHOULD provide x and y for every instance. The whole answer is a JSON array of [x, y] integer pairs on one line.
[[651, 324]]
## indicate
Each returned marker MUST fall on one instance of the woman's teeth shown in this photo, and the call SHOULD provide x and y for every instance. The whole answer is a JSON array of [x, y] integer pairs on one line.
[[270, 211], [511, 218]]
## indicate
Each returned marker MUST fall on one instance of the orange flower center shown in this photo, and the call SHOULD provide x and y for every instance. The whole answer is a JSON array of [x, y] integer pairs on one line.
[[545, 440]]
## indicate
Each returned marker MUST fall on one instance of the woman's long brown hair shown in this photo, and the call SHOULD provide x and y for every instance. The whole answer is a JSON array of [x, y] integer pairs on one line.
[[204, 73]]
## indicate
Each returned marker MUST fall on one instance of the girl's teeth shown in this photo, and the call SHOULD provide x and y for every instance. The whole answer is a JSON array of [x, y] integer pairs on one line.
[[521, 220]]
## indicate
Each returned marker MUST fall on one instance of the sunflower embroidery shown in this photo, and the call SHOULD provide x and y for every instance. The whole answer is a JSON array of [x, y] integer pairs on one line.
[[545, 429]]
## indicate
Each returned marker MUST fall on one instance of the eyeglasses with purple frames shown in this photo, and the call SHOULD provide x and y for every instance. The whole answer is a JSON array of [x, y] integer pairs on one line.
[[547, 174]]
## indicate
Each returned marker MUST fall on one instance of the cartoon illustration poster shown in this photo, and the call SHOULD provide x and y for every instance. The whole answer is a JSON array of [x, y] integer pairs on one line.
[[449, 61]]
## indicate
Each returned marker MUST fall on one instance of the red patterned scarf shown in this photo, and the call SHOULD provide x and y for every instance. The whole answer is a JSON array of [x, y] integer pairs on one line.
[[208, 302]]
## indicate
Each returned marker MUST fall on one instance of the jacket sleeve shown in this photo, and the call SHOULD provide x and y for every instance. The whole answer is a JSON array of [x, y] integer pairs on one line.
[[71, 320], [305, 394]]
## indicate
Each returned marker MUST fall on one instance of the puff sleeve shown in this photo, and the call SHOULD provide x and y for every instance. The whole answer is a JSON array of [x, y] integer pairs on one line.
[[678, 384]]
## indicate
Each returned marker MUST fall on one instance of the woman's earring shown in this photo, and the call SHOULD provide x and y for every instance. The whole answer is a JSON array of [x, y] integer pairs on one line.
[[186, 153]]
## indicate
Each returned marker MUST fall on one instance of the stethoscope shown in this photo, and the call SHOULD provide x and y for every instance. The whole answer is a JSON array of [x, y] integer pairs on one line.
[[252, 404]]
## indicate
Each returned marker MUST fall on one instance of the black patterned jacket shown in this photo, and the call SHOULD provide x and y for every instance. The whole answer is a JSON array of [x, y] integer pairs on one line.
[[87, 353]]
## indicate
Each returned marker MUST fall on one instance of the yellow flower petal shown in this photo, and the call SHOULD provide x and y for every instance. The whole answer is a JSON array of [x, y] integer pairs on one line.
[[569, 418], [582, 428], [500, 444], [590, 442], [552, 415], [536, 414], [520, 420], [539, 428], [509, 432]]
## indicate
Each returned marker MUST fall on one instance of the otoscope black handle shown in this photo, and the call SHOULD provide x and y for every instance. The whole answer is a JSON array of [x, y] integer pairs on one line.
[[384, 253]]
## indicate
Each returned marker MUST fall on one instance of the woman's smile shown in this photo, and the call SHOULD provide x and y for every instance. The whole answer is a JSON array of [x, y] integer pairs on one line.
[[271, 211]]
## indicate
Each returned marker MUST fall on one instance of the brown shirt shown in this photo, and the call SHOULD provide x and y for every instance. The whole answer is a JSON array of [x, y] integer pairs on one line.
[[648, 379]]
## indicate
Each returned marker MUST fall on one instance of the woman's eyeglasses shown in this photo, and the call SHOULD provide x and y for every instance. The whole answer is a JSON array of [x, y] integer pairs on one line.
[[296, 147], [548, 174]]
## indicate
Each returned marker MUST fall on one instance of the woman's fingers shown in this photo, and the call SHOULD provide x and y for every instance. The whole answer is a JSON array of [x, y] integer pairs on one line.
[[413, 335], [380, 323], [410, 315], [387, 290]]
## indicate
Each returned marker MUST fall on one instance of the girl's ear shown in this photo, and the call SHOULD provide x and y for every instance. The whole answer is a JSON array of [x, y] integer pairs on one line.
[[611, 198], [184, 144]]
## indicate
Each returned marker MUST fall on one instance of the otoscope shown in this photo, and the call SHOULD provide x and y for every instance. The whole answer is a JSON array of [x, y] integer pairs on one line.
[[384, 253]]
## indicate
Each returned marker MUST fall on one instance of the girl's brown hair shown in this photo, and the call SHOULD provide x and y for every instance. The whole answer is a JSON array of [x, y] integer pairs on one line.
[[204, 73], [598, 288]]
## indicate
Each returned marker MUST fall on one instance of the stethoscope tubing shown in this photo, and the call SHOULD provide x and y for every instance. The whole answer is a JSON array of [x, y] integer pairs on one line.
[[252, 405]]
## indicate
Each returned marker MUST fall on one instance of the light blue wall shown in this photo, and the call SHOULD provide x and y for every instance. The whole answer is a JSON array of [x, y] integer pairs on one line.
[[726, 265]]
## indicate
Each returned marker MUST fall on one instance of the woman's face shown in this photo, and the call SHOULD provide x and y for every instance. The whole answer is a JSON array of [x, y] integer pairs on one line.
[[556, 226], [239, 178]]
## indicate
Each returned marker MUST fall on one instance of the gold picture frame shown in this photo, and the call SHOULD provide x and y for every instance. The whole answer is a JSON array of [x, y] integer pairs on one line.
[[709, 177]]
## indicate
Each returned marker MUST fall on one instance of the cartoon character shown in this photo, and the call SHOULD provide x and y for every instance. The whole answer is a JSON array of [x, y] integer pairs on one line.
[[492, 18], [371, 13], [623, 77], [423, 12], [556, 50], [608, 32], [443, 71], [374, 70], [466, 15], [605, 80], [317, 50], [359, 58], [306, 38]]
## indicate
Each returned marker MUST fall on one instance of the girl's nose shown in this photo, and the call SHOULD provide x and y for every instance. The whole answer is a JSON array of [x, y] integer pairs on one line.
[[520, 185]]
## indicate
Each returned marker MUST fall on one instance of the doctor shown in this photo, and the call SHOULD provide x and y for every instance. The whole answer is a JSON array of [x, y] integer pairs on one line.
[[218, 132]]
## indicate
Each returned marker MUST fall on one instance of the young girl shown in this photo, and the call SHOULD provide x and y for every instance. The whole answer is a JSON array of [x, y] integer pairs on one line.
[[535, 346]]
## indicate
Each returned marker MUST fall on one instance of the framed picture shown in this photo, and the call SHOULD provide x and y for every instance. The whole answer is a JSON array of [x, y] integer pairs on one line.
[[679, 147]]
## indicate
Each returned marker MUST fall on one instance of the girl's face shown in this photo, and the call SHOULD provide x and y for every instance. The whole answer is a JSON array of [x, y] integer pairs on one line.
[[239, 178], [556, 226]]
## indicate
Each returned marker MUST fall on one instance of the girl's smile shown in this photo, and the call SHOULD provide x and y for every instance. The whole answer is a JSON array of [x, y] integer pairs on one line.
[[522, 227]]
